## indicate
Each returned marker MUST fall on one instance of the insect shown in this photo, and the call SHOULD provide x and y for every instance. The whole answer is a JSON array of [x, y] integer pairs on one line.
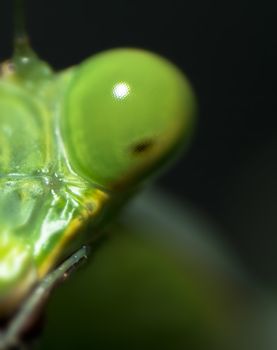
[[74, 146]]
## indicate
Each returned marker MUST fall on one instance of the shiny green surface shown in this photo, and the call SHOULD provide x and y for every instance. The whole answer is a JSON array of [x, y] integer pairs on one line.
[[73, 147], [125, 109]]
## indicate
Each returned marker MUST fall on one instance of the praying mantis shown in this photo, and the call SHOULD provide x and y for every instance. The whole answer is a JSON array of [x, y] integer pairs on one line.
[[75, 147]]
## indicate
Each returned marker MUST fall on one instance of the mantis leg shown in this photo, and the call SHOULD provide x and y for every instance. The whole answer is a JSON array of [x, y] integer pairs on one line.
[[11, 337]]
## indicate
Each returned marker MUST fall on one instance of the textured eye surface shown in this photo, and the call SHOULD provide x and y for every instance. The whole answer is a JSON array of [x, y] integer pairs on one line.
[[125, 111]]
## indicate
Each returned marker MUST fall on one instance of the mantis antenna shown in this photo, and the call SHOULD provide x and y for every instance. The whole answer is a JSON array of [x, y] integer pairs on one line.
[[26, 62], [21, 39]]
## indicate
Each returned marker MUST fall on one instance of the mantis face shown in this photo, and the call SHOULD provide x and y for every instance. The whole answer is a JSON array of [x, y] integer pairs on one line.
[[72, 143]]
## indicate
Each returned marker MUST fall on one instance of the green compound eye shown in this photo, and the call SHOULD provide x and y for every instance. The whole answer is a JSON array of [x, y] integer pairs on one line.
[[126, 110]]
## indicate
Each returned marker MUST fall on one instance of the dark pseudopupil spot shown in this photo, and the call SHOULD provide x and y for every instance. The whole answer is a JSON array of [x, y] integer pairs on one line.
[[142, 147]]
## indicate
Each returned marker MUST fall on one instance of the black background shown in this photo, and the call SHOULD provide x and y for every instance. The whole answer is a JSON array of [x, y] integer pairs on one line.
[[228, 50]]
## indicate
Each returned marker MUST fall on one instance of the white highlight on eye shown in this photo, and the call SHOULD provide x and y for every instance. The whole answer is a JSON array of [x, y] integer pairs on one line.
[[121, 90]]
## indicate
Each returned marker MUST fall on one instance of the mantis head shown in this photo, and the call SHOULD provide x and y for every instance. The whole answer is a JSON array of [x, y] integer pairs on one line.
[[126, 113], [71, 143]]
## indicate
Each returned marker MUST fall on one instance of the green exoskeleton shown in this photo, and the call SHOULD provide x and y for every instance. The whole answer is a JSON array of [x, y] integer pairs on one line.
[[74, 146]]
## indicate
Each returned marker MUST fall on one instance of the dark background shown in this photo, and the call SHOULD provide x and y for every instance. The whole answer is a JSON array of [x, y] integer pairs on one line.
[[228, 50]]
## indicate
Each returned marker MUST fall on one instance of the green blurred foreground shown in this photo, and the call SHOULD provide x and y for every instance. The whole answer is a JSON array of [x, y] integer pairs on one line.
[[161, 280]]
